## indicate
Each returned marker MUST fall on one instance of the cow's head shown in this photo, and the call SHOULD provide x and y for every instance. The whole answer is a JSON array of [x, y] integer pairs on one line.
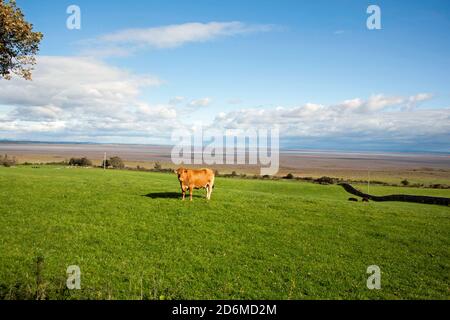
[[181, 173]]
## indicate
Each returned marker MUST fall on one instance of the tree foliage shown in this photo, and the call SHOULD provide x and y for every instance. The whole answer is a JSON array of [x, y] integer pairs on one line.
[[289, 176], [18, 42], [157, 166], [7, 162], [116, 163], [113, 162]]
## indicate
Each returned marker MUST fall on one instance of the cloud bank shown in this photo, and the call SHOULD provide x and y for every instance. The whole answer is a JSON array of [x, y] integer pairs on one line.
[[73, 97], [377, 122]]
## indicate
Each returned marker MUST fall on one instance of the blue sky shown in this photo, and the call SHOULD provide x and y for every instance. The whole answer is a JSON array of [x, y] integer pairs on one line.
[[310, 66]]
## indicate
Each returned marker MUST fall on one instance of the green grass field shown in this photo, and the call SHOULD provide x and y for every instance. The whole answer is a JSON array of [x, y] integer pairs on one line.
[[133, 238]]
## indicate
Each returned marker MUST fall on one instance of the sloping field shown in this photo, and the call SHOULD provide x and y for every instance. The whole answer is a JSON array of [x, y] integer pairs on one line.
[[133, 238]]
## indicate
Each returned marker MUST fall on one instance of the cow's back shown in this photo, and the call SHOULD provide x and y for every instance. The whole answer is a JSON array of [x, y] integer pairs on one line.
[[200, 177]]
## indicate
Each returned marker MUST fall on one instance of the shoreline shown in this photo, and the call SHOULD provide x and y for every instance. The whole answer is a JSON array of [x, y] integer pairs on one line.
[[388, 167]]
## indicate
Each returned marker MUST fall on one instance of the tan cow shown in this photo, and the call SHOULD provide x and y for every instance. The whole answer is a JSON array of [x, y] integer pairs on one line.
[[195, 179]]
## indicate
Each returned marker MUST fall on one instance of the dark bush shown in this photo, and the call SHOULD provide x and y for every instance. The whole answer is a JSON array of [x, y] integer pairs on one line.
[[116, 163], [325, 180], [417, 185], [106, 163], [439, 186], [85, 162], [289, 176], [139, 168], [157, 166], [80, 162], [405, 182], [8, 162], [378, 182]]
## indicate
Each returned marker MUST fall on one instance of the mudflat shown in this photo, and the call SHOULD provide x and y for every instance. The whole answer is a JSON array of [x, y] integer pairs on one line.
[[383, 166]]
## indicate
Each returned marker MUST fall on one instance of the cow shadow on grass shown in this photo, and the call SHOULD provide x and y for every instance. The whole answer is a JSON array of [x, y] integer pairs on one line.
[[168, 195]]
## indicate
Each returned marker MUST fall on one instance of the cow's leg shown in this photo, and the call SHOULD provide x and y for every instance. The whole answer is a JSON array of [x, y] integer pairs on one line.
[[207, 191], [183, 191], [210, 191], [191, 189]]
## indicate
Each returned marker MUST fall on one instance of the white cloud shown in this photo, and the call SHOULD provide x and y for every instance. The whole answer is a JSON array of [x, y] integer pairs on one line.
[[44, 113], [126, 42], [176, 100], [373, 104], [380, 102], [203, 102], [375, 119], [158, 111], [176, 35], [414, 101], [70, 95], [421, 97], [71, 82]]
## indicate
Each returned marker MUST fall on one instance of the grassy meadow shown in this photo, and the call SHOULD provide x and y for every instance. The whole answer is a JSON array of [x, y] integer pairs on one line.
[[133, 238]]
